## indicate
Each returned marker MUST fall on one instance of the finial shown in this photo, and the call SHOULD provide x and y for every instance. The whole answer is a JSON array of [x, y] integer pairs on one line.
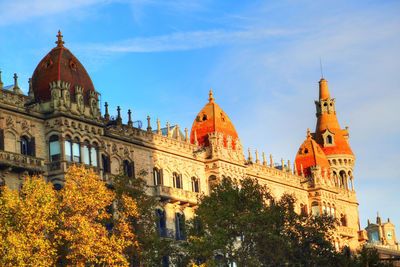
[[168, 130], [250, 158], [302, 171], [257, 159], [30, 92], [119, 119], [16, 87], [211, 98], [308, 133], [186, 135], [294, 168], [320, 65], [60, 42], [196, 142], [158, 126], [148, 124], [289, 167], [177, 132], [1, 83], [130, 122], [15, 81], [106, 115], [264, 160], [283, 164], [271, 161]]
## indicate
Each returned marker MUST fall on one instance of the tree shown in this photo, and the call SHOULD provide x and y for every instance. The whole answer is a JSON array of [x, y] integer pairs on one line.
[[153, 248], [28, 221], [43, 227], [243, 223]]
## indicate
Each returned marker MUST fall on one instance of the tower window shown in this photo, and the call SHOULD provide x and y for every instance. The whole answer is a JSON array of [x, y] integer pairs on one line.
[[306, 151], [329, 139], [204, 117], [106, 163], [180, 226], [129, 168]]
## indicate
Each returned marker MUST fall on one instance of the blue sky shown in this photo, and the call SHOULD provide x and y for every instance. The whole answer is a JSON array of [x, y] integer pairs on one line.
[[261, 58]]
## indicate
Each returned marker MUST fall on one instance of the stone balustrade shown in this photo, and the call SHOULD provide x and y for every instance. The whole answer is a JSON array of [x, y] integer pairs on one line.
[[21, 162], [176, 195]]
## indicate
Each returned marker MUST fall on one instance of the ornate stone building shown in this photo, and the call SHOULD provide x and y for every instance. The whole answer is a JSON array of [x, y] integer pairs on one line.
[[59, 124]]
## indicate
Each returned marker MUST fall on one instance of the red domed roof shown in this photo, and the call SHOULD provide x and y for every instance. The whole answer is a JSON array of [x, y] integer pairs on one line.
[[310, 154], [212, 119], [60, 64]]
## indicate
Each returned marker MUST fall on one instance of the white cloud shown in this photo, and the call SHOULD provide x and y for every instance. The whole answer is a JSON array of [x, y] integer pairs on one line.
[[18, 11], [189, 40]]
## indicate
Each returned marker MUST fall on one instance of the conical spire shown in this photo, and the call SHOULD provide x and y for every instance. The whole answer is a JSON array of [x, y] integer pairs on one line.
[[323, 89]]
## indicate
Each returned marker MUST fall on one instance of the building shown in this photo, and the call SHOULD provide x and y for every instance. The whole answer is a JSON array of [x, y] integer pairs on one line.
[[59, 124], [382, 236]]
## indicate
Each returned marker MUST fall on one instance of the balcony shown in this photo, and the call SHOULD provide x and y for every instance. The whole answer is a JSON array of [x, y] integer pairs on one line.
[[347, 232], [19, 162], [176, 195]]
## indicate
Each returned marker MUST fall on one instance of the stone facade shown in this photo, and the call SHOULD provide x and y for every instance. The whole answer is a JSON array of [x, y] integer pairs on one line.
[[48, 132]]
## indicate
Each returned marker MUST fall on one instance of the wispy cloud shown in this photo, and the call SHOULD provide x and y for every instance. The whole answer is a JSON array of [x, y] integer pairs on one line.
[[189, 40], [18, 11]]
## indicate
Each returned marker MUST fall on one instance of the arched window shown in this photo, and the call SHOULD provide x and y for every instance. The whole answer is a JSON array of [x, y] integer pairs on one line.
[[343, 179], [105, 160], [76, 150], [303, 209], [343, 220], [54, 148], [161, 223], [93, 155], [180, 226], [157, 176], [177, 180], [212, 180], [129, 168], [333, 212], [195, 185], [90, 153], [86, 153], [68, 148], [24, 145], [315, 210]]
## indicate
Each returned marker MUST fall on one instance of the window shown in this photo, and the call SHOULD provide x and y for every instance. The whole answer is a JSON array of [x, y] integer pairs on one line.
[[76, 151], [24, 145], [195, 185], [303, 209], [68, 148], [93, 155], [129, 168], [54, 147], [161, 223], [180, 226], [86, 154], [329, 139], [157, 176], [343, 220], [315, 211], [105, 160], [177, 180], [90, 154]]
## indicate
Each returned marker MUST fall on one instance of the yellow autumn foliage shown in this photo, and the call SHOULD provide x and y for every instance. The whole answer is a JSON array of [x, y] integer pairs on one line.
[[43, 227]]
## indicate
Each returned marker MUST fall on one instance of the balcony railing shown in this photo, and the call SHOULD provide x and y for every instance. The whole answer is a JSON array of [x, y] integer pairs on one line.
[[346, 231], [176, 194], [21, 162]]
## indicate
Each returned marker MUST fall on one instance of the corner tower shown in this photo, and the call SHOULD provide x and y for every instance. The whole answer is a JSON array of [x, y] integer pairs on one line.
[[333, 140]]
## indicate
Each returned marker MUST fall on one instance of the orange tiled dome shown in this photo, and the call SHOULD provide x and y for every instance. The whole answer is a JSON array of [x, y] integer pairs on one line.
[[60, 64], [212, 119], [310, 154]]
